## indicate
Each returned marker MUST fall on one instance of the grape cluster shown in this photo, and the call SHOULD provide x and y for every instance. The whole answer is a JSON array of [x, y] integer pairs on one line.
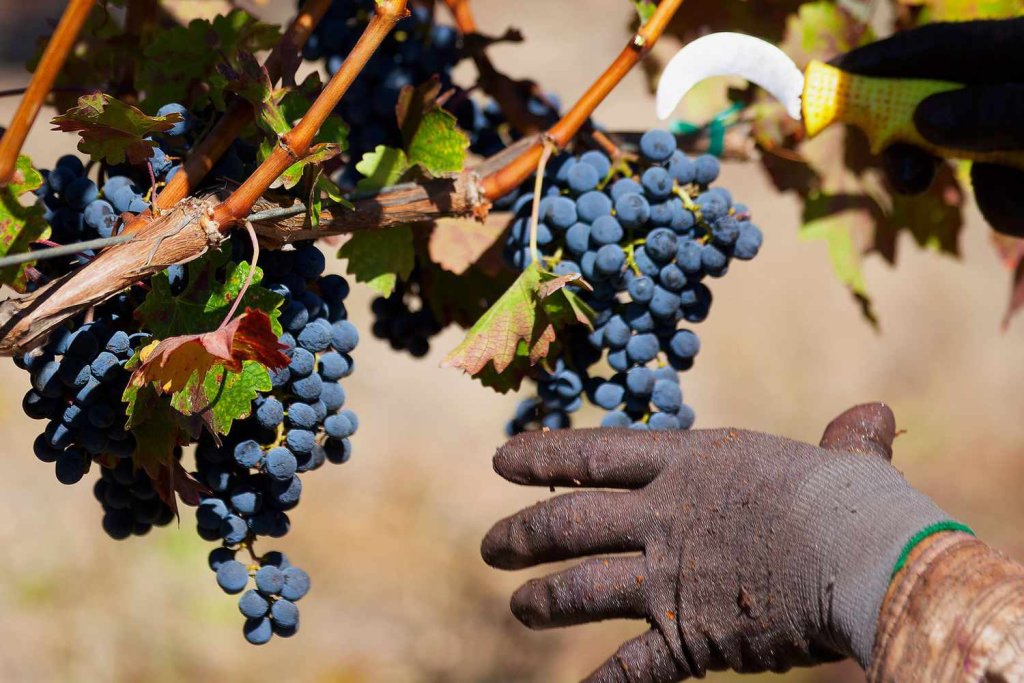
[[646, 236], [269, 608], [131, 506], [253, 474], [78, 209], [404, 320], [416, 50], [488, 129], [78, 378], [73, 208]]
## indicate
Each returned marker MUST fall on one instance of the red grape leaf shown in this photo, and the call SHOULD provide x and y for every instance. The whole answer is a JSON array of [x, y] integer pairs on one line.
[[457, 243], [111, 130], [171, 363], [173, 478], [516, 332]]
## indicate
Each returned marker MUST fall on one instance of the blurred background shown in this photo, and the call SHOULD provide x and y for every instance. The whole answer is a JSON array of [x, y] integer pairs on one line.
[[392, 537]]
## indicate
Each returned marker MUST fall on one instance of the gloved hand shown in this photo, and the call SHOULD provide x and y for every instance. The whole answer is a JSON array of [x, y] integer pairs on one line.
[[986, 115], [748, 551]]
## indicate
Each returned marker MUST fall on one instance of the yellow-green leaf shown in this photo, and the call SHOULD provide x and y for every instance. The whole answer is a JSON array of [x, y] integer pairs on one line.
[[381, 167], [380, 257], [20, 225]]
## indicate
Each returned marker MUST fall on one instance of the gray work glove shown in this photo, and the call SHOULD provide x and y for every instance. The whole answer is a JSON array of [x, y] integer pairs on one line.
[[742, 550]]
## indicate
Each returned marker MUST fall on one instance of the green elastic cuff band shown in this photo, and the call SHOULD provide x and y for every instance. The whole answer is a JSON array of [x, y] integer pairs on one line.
[[948, 525]]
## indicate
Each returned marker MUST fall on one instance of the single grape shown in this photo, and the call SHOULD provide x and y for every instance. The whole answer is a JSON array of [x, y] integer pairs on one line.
[[232, 576], [657, 145]]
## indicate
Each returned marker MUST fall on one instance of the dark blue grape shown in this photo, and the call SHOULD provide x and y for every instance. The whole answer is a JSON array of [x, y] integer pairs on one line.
[[598, 160], [583, 178], [666, 396], [257, 631], [632, 209], [606, 230], [749, 241], [179, 127], [232, 576], [707, 169], [657, 145], [284, 613], [252, 605], [592, 205]]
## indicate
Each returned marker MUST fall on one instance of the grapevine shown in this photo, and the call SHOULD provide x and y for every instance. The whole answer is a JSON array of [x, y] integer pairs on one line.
[[171, 362]]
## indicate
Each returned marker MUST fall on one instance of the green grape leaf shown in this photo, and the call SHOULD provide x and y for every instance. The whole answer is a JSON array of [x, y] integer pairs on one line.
[[228, 394], [381, 167], [213, 284], [822, 30], [430, 134], [171, 364], [248, 79], [180, 63], [111, 130], [158, 429], [20, 225], [212, 378], [317, 155], [438, 146], [835, 220], [965, 10], [517, 332], [644, 10], [380, 257]]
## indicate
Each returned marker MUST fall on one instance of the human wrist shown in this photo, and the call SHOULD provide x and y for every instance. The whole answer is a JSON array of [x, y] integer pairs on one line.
[[951, 613]]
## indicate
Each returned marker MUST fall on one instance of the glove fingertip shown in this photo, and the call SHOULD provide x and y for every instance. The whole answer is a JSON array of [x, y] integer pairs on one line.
[[869, 428]]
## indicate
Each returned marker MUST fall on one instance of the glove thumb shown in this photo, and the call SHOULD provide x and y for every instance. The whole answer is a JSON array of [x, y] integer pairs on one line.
[[869, 428]]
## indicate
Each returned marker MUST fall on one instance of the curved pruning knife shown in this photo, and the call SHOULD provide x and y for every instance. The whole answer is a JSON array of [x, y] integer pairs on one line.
[[821, 95]]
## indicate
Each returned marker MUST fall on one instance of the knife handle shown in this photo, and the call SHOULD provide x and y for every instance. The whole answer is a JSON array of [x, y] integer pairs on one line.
[[883, 108]]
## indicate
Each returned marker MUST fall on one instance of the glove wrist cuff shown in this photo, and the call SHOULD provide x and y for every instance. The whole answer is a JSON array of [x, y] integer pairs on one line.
[[856, 515], [916, 539]]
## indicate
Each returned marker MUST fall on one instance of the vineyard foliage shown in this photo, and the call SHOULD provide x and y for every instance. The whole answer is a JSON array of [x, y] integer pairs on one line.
[[578, 262]]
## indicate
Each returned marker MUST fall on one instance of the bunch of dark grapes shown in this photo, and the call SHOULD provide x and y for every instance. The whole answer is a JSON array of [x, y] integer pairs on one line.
[[488, 129], [646, 236], [414, 52], [78, 378], [253, 474], [404, 320]]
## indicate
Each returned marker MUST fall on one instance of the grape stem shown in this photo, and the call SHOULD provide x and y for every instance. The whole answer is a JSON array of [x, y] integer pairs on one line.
[[508, 93], [56, 52], [199, 224], [295, 143], [462, 15], [538, 189], [205, 154], [248, 276], [503, 180]]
